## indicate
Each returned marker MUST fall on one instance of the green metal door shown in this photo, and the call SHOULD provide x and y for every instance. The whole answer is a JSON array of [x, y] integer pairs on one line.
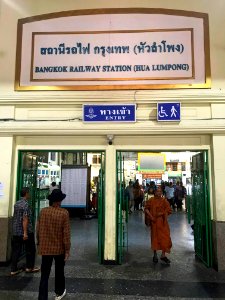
[[122, 210], [101, 209], [201, 208], [27, 177]]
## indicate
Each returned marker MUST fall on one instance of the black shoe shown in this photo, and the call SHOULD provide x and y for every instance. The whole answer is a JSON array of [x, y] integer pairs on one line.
[[155, 259], [165, 259]]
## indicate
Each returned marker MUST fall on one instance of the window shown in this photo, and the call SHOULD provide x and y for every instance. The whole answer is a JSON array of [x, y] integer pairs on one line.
[[171, 166], [96, 159], [183, 166], [52, 156], [174, 166]]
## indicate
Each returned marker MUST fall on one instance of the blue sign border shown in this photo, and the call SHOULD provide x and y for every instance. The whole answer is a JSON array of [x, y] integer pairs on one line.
[[166, 105], [120, 113]]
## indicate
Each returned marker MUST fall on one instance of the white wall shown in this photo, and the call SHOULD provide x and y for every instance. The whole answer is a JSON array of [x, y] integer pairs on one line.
[[6, 164], [218, 142]]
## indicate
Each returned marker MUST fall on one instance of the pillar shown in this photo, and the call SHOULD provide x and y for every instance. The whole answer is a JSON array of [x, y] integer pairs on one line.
[[110, 205], [218, 224], [6, 163]]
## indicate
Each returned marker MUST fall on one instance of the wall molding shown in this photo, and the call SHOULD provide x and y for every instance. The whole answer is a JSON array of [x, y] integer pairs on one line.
[[216, 126], [137, 96]]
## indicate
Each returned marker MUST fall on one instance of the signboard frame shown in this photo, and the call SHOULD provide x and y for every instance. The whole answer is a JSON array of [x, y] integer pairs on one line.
[[65, 188], [142, 155], [25, 79]]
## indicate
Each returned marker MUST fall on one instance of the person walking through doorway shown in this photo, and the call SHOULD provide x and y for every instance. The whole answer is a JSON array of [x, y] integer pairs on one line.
[[53, 236], [178, 196], [158, 210], [137, 195], [169, 190], [130, 195], [23, 234]]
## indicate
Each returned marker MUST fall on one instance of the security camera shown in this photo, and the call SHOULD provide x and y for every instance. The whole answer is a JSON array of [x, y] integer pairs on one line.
[[110, 139]]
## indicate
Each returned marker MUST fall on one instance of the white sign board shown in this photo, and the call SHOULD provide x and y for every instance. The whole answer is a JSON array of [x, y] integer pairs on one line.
[[132, 54], [113, 49], [74, 185]]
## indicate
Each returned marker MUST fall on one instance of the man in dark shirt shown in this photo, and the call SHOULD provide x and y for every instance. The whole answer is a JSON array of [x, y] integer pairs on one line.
[[23, 234]]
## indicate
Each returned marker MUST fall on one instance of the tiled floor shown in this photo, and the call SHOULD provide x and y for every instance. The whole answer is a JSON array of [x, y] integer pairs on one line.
[[136, 278]]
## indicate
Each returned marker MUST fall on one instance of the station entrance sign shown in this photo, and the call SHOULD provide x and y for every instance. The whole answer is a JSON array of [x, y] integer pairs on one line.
[[109, 113]]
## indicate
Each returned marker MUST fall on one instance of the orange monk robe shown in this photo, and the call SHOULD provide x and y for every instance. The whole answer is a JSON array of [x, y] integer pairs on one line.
[[159, 208]]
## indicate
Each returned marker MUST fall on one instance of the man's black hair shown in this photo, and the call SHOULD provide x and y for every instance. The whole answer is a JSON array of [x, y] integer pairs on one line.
[[24, 191]]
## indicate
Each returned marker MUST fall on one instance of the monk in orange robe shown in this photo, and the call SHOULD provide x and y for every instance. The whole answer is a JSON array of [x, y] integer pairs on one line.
[[158, 209]]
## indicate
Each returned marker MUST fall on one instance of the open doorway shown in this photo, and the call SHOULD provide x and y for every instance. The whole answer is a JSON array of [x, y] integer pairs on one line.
[[160, 168], [81, 176]]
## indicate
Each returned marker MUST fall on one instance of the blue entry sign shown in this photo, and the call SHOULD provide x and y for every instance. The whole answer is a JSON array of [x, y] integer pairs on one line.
[[168, 111], [109, 113]]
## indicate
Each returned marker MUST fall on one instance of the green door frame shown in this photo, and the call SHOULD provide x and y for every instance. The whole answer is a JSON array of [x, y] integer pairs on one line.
[[101, 187], [101, 210], [121, 210], [201, 208], [28, 178], [120, 196]]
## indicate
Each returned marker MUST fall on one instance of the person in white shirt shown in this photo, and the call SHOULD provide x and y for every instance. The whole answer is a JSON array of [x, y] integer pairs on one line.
[[169, 189]]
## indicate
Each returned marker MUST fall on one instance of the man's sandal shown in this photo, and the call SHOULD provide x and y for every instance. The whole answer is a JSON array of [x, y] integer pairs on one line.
[[165, 259], [34, 270], [13, 273]]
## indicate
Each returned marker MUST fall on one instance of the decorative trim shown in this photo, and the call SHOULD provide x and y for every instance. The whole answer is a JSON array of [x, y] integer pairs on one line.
[[65, 83]]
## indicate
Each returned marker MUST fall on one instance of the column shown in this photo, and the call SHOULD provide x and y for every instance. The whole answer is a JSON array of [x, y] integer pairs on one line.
[[6, 187], [218, 176], [110, 204]]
